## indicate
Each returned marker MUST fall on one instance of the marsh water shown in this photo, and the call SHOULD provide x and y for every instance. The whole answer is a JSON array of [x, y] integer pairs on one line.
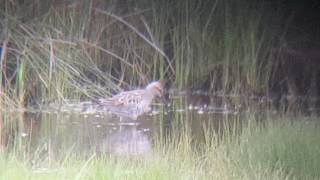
[[53, 130]]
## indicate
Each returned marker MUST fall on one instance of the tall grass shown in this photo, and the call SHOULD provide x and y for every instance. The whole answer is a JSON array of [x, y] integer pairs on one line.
[[279, 149], [83, 49], [229, 39]]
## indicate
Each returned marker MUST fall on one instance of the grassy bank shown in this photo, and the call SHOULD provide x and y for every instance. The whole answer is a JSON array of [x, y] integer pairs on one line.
[[279, 150]]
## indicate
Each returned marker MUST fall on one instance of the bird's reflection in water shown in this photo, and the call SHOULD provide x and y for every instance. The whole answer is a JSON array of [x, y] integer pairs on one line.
[[127, 141]]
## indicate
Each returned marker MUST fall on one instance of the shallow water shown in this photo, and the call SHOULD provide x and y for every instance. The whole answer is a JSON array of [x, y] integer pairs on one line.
[[54, 129]]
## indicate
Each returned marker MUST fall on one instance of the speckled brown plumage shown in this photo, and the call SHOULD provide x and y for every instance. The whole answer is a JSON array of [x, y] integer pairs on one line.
[[133, 103]]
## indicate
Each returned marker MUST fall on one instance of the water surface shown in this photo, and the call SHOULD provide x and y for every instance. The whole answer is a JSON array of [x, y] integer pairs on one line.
[[52, 130]]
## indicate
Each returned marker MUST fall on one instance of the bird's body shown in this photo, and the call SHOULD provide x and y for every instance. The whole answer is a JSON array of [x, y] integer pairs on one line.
[[132, 103]]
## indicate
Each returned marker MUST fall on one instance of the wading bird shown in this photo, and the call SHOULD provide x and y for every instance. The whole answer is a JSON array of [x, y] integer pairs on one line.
[[133, 103]]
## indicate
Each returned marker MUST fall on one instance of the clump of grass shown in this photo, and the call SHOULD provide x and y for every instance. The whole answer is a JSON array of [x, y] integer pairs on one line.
[[74, 50], [291, 147]]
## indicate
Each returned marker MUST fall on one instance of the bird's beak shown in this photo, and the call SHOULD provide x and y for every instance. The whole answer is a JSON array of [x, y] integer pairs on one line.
[[164, 94], [165, 97]]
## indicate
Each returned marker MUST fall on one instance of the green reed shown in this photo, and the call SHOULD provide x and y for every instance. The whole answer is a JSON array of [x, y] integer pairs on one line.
[[79, 50]]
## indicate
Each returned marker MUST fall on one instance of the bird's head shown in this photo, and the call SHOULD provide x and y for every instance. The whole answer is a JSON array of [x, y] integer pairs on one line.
[[156, 88]]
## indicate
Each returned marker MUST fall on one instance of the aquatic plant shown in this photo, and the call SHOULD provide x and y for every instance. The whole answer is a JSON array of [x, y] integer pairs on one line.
[[77, 49]]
